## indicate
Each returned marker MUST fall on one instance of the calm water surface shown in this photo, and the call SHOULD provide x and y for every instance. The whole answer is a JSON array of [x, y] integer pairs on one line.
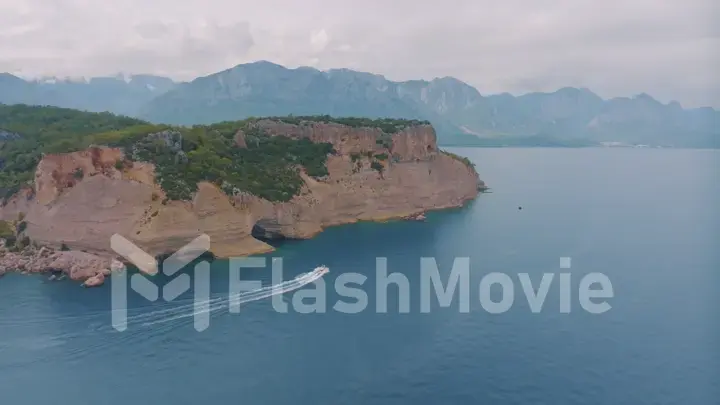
[[648, 219]]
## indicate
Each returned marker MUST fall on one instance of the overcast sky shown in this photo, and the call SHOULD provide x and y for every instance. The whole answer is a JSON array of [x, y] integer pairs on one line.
[[667, 48]]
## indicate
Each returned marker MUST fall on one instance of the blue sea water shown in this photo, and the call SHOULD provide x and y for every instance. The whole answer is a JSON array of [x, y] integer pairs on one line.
[[648, 219]]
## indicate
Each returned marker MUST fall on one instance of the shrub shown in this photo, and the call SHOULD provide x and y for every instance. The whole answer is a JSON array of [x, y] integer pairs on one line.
[[10, 244], [375, 165], [385, 140], [6, 230], [23, 243]]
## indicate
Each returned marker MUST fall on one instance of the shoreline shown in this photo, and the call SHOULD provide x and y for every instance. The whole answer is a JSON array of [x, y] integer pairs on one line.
[[88, 268], [91, 269]]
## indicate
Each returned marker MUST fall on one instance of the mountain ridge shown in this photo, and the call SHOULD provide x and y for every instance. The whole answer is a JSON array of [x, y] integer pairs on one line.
[[119, 94], [460, 113]]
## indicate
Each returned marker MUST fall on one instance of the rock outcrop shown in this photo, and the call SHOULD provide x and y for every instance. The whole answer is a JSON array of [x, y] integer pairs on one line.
[[80, 266], [56, 173], [95, 281], [81, 199]]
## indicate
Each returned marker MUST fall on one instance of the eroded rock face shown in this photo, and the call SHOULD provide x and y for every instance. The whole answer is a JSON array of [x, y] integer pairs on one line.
[[83, 213], [405, 189], [88, 214], [417, 178], [211, 212], [415, 143], [240, 139], [56, 173], [344, 139]]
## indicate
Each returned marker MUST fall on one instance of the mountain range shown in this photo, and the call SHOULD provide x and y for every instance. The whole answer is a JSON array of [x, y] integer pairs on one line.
[[120, 95], [459, 112]]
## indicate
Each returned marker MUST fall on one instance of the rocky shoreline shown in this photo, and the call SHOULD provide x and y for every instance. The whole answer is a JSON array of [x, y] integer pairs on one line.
[[420, 216], [76, 265]]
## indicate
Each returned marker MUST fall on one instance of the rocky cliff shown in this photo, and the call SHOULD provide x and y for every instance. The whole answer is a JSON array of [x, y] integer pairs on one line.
[[82, 198]]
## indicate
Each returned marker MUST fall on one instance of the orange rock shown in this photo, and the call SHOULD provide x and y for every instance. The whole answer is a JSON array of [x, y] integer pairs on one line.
[[95, 281]]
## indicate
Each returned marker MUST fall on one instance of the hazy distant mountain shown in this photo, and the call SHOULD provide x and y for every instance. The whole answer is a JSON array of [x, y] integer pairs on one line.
[[264, 88], [460, 114], [121, 94]]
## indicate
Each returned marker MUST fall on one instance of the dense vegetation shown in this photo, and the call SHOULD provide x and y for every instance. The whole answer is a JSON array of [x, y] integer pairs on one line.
[[183, 156], [13, 235], [46, 130], [268, 167], [387, 125]]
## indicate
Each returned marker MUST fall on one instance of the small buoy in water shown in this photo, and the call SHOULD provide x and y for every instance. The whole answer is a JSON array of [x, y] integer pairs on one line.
[[520, 208]]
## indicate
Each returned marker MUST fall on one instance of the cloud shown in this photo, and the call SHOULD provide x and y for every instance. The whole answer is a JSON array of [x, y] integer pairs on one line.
[[319, 40], [151, 29], [668, 48]]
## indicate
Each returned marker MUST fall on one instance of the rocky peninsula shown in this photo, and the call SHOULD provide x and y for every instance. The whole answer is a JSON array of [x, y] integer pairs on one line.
[[240, 183]]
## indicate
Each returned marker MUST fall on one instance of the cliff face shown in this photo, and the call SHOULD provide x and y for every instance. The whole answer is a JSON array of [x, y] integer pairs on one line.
[[81, 199]]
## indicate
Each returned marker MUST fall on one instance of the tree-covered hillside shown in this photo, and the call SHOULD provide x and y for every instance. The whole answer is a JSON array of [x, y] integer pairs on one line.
[[41, 130], [268, 167], [387, 125]]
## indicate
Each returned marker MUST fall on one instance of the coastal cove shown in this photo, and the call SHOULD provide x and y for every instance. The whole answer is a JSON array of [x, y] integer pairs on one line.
[[601, 207]]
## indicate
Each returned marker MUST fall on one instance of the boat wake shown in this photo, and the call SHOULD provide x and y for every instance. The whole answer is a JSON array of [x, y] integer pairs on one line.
[[144, 323], [218, 304], [160, 312]]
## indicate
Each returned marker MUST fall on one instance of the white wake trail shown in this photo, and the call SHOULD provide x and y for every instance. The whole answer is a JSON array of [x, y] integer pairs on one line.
[[215, 304], [312, 276]]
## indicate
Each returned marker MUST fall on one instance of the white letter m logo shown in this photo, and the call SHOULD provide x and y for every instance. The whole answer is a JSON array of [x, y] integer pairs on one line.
[[147, 289]]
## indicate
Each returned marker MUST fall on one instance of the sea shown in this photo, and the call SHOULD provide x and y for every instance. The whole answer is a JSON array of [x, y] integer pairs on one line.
[[638, 228]]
